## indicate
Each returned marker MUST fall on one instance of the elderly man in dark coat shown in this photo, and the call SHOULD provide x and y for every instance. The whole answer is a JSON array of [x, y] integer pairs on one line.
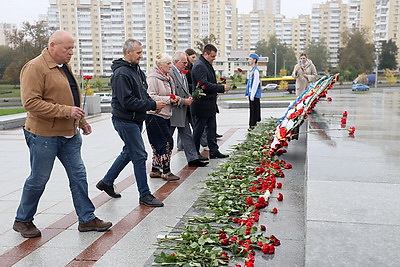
[[205, 108]]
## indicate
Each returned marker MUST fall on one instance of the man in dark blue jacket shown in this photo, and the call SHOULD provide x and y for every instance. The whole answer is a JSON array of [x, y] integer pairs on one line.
[[130, 102], [205, 108]]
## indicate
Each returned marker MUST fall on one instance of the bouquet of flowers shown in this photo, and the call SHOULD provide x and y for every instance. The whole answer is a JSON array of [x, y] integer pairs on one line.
[[198, 91], [236, 78]]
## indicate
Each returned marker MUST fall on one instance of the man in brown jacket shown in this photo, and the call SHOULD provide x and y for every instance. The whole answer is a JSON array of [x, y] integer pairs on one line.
[[51, 95]]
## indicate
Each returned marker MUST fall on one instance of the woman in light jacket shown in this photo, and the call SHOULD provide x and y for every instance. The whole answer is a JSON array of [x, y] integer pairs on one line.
[[305, 74], [161, 88]]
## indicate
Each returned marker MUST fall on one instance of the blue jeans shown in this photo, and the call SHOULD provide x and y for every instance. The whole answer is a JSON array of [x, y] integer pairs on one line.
[[134, 151], [43, 152]]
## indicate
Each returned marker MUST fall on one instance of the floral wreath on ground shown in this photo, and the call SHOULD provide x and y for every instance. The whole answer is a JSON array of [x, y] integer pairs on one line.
[[299, 110]]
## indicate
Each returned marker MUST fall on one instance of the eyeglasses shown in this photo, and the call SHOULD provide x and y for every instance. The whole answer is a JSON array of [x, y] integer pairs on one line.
[[184, 62]]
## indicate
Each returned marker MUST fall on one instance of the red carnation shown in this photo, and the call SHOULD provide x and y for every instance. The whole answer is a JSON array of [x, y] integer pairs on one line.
[[261, 200], [343, 120], [185, 72], [249, 201], [225, 242], [282, 132], [240, 70], [172, 96], [280, 197], [278, 185], [224, 254], [329, 99], [274, 210], [345, 113], [351, 130], [87, 77], [263, 227]]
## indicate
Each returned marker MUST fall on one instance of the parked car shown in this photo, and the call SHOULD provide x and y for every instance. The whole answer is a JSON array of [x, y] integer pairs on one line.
[[271, 86], [104, 97], [291, 88], [359, 87]]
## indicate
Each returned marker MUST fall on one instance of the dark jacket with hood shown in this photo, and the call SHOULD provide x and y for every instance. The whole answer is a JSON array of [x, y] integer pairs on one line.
[[130, 99]]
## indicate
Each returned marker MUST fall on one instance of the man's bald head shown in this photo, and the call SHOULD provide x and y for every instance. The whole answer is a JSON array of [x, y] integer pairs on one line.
[[60, 46]]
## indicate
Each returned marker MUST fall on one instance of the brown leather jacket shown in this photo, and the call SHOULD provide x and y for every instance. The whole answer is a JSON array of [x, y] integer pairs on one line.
[[47, 96]]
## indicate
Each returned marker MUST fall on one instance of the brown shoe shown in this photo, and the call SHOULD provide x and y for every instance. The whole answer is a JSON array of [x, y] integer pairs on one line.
[[169, 176], [26, 229], [94, 225], [155, 175]]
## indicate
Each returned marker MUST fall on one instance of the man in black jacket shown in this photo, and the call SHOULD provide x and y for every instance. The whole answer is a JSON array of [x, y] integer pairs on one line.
[[205, 108], [130, 102]]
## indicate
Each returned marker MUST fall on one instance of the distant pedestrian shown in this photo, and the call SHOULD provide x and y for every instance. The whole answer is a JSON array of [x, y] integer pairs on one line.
[[253, 90], [130, 102], [51, 95], [161, 88], [305, 74]]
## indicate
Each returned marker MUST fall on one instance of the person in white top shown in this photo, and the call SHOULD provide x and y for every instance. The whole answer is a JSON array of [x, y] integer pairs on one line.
[[253, 90]]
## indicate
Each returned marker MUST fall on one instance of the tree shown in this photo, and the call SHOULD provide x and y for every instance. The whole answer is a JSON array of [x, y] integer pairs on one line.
[[285, 56], [388, 56], [11, 74], [211, 39], [6, 55], [390, 78], [356, 54], [26, 44], [318, 53], [261, 48]]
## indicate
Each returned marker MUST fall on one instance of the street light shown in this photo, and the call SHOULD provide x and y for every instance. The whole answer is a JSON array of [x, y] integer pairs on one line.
[[275, 54], [377, 49]]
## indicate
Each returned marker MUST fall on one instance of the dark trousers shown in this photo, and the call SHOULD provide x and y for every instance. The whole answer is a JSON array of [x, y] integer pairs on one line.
[[255, 112], [200, 124], [160, 138]]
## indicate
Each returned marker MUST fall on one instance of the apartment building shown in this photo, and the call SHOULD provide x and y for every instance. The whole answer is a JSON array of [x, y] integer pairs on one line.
[[101, 26], [5, 27], [300, 33], [328, 21], [254, 27], [269, 7]]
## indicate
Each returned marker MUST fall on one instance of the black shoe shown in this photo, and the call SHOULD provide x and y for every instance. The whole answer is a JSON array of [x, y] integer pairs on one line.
[[197, 163], [218, 135], [218, 155], [109, 189], [26, 229], [202, 158], [151, 201]]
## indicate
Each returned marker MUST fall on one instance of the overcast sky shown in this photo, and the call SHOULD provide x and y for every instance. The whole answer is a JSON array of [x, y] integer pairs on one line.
[[17, 11]]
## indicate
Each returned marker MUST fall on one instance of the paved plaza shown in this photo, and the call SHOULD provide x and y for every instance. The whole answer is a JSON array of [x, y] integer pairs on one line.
[[340, 207]]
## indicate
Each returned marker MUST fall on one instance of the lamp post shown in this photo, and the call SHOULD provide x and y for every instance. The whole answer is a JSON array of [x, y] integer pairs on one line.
[[377, 50], [275, 54]]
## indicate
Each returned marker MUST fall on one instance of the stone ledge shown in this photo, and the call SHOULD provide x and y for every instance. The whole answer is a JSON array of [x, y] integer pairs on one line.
[[245, 104], [12, 121]]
